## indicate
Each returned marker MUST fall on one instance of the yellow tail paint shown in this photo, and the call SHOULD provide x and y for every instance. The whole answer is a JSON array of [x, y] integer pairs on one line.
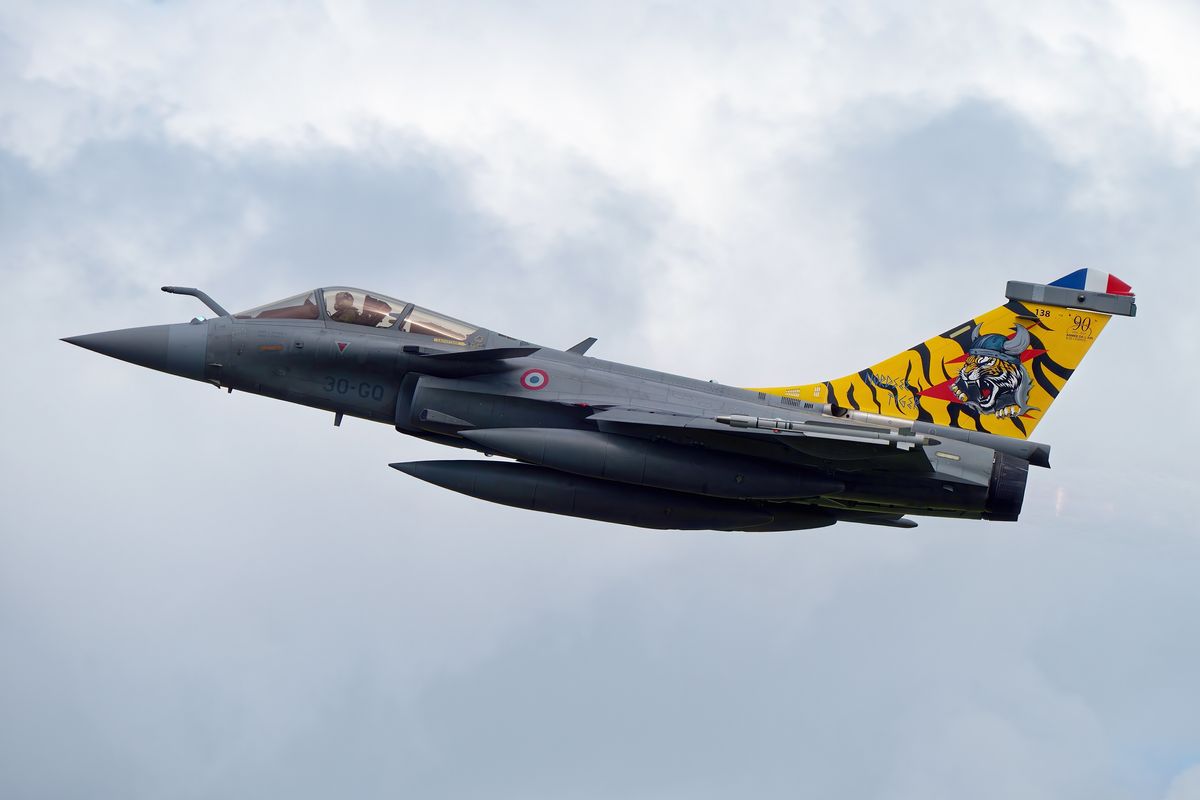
[[997, 373]]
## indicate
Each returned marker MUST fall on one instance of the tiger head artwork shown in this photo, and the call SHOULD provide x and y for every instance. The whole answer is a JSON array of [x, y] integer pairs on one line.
[[992, 379]]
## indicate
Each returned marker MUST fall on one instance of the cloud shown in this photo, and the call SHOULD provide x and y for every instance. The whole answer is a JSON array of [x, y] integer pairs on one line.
[[208, 594], [1186, 785]]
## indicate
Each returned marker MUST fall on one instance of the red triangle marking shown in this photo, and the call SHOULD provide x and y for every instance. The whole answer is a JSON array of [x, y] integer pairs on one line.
[[940, 392], [342, 346]]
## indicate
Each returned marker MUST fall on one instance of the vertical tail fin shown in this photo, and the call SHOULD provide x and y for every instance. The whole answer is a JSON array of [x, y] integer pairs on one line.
[[998, 372]]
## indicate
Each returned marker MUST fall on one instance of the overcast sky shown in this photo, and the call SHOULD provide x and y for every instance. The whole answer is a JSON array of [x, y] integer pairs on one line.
[[206, 595]]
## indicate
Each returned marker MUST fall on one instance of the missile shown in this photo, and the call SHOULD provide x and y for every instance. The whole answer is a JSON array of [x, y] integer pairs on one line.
[[661, 465], [541, 489], [827, 430]]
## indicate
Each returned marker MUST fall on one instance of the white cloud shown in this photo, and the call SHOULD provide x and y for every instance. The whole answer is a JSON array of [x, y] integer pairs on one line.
[[642, 94], [775, 194]]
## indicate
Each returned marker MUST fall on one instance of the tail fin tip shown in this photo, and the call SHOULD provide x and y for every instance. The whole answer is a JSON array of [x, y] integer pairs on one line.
[[1093, 280]]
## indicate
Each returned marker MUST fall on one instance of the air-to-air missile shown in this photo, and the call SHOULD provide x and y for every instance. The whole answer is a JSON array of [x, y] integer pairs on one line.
[[941, 429]]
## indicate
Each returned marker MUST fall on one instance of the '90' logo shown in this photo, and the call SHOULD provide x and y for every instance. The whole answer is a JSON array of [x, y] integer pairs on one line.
[[535, 379]]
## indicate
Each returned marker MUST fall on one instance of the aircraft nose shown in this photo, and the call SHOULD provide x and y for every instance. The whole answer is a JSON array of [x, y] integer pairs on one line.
[[177, 349]]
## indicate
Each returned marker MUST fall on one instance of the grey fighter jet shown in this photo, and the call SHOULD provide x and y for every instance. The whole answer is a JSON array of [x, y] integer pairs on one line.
[[941, 429]]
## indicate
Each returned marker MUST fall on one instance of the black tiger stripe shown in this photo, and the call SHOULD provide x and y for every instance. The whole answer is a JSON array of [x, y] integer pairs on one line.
[[957, 411], [1039, 375], [922, 351], [922, 412], [972, 415], [946, 376], [954, 409], [1021, 311], [1053, 366], [870, 380]]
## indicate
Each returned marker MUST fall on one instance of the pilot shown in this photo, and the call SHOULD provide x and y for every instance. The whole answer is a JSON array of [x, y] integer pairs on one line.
[[374, 311], [343, 309]]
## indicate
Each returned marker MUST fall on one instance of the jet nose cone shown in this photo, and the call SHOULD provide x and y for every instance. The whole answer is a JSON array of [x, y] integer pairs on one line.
[[144, 346], [177, 349]]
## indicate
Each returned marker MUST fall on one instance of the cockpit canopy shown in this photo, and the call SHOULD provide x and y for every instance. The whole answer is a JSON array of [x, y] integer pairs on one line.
[[350, 306], [356, 307], [299, 307]]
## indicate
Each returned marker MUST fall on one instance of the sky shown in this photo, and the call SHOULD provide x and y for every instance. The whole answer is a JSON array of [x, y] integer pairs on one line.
[[211, 595]]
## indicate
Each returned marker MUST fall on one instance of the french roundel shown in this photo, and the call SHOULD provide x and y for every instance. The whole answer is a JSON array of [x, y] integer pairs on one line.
[[535, 379]]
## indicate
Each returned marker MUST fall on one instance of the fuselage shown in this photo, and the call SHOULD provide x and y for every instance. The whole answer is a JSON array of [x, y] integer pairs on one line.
[[939, 429], [632, 426]]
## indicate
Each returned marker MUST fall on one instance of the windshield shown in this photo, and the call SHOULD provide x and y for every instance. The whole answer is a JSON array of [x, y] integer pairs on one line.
[[301, 306], [441, 328], [357, 307]]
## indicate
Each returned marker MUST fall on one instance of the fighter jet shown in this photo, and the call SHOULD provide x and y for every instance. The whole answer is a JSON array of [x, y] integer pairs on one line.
[[941, 429]]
